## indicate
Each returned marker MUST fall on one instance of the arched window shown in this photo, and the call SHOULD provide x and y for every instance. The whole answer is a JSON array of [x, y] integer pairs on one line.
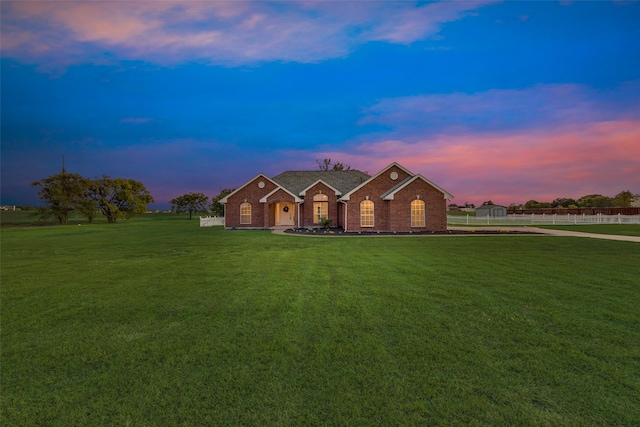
[[366, 213], [320, 207], [417, 213], [245, 213]]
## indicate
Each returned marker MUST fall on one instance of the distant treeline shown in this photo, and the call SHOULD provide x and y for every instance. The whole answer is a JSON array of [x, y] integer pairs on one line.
[[575, 211], [623, 199]]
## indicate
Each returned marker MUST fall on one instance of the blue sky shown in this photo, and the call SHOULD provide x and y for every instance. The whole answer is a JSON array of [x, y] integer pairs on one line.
[[507, 101]]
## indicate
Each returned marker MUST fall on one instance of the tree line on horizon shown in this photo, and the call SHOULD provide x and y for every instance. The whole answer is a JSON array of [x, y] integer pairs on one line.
[[623, 199], [115, 198]]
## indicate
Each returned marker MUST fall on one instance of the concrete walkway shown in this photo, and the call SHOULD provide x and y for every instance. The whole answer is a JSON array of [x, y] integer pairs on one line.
[[568, 233], [543, 231]]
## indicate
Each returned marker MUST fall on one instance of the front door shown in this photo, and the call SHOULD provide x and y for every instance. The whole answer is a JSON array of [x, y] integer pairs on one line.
[[285, 214]]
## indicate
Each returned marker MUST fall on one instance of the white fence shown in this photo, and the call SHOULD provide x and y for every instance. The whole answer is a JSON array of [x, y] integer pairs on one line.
[[211, 221], [543, 219]]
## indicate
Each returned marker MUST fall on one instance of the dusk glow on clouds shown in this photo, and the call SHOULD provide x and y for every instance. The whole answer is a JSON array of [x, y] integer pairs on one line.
[[501, 101], [231, 33], [565, 162]]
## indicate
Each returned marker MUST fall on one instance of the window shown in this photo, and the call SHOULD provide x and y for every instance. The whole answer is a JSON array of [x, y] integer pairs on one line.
[[366, 213], [320, 207], [417, 213], [245, 213]]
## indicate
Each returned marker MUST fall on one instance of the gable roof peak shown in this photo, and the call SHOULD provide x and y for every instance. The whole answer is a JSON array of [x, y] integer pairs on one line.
[[398, 165], [394, 164], [389, 195], [260, 175]]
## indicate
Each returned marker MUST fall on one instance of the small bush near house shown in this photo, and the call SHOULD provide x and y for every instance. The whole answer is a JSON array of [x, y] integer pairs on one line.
[[325, 222]]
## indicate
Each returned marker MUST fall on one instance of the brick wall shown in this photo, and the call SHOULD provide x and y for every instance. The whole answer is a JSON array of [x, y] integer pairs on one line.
[[374, 190], [307, 213], [252, 193], [435, 208], [395, 215]]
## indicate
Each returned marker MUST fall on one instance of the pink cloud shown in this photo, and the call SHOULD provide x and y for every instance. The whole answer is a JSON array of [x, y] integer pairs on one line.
[[405, 25], [166, 32], [513, 167]]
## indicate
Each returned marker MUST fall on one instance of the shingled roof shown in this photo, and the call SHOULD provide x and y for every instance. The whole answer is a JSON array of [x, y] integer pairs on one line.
[[343, 181], [395, 187]]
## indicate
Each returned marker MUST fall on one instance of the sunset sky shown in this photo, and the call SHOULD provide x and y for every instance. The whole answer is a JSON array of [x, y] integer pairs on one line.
[[503, 101]]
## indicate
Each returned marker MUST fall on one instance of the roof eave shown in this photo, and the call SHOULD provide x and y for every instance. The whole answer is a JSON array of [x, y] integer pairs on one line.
[[447, 195], [304, 192], [296, 199]]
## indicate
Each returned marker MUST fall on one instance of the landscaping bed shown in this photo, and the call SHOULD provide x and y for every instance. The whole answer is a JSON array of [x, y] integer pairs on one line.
[[339, 231]]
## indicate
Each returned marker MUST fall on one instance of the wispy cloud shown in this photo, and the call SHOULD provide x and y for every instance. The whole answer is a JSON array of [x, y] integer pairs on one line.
[[61, 33]]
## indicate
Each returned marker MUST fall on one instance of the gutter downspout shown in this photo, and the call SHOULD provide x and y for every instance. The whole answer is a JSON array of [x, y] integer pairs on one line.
[[345, 214], [224, 214]]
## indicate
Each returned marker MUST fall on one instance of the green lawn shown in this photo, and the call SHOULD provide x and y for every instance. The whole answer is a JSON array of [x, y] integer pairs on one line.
[[615, 229], [160, 322]]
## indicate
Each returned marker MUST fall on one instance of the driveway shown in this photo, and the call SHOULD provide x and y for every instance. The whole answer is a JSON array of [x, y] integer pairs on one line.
[[549, 232]]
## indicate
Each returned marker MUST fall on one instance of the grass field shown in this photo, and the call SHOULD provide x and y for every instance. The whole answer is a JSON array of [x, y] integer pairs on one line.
[[160, 322]]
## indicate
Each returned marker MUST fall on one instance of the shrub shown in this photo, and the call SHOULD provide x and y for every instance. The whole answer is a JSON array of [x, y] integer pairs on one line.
[[325, 222]]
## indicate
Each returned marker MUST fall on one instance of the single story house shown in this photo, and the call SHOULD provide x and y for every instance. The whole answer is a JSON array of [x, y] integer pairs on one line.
[[492, 211], [394, 199]]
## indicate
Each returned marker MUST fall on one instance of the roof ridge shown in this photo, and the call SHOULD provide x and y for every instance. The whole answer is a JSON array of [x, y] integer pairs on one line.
[[343, 181]]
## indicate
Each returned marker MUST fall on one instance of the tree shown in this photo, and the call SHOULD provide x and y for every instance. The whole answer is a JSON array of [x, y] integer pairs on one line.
[[61, 193], [190, 202], [488, 203], [326, 165], [87, 203], [531, 204], [534, 204], [563, 202], [595, 201], [121, 198], [217, 208], [623, 199]]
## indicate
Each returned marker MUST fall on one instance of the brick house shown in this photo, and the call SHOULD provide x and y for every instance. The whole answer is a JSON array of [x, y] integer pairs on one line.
[[392, 200]]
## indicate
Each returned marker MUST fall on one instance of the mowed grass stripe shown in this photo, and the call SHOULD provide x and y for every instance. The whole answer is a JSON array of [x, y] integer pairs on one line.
[[156, 322]]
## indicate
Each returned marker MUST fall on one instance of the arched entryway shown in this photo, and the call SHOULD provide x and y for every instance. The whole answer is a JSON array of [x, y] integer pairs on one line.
[[285, 214]]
